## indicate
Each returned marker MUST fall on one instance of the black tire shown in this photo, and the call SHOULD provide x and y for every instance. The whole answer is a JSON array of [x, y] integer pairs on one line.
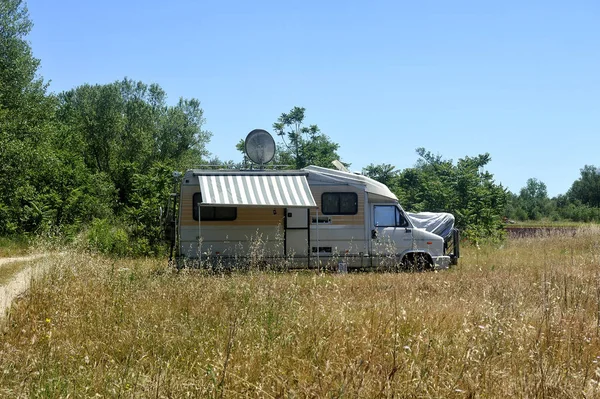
[[417, 262]]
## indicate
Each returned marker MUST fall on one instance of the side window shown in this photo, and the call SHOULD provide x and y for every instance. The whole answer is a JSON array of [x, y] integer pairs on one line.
[[389, 216], [401, 220], [385, 216], [339, 203], [212, 213]]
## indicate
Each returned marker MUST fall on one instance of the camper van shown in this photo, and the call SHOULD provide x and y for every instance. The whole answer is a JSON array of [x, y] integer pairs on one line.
[[313, 218]]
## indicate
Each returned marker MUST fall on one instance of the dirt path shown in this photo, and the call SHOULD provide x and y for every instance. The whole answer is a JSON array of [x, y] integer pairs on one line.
[[20, 258], [19, 283]]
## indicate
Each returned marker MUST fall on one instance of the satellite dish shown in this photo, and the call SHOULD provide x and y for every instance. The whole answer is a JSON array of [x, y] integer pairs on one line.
[[260, 146]]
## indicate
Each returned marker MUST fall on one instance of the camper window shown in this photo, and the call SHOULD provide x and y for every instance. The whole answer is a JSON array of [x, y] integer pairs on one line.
[[339, 203], [389, 216], [212, 213]]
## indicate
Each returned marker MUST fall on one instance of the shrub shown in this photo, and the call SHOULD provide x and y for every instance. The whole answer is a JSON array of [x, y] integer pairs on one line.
[[107, 238]]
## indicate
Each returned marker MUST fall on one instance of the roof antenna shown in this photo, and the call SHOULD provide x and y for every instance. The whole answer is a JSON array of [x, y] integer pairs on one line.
[[260, 147]]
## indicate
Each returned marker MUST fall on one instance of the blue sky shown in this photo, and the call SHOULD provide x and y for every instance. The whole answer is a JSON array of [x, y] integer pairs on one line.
[[517, 79]]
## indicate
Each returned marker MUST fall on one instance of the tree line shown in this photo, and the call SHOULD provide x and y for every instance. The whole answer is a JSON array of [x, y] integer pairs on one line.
[[481, 206], [96, 157], [96, 161], [581, 203]]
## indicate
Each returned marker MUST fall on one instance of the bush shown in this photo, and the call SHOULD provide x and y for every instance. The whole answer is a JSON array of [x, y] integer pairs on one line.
[[107, 238]]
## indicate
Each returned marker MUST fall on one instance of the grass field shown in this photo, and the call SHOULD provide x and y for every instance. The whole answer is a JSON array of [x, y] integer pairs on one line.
[[13, 246], [548, 223], [518, 320]]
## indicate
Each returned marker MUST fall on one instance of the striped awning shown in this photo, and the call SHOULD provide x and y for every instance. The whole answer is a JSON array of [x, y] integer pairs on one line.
[[256, 190]]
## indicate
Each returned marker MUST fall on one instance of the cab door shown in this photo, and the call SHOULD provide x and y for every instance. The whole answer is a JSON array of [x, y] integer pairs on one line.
[[391, 232]]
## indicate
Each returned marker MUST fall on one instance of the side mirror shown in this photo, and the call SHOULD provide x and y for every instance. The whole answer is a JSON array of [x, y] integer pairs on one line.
[[374, 234]]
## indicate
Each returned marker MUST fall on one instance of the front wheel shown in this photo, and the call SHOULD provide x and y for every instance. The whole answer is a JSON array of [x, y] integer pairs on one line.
[[417, 262]]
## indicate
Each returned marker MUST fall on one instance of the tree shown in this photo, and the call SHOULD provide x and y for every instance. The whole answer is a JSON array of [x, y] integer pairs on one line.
[[534, 200], [478, 201], [464, 189], [514, 207], [304, 145], [102, 151], [384, 173], [24, 107], [26, 124], [123, 128], [429, 186], [586, 189]]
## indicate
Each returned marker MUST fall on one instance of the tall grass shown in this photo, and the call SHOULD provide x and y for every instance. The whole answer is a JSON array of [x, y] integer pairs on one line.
[[517, 320], [10, 270], [14, 246]]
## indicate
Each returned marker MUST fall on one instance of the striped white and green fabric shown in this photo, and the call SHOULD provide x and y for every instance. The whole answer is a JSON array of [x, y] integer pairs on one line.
[[246, 189]]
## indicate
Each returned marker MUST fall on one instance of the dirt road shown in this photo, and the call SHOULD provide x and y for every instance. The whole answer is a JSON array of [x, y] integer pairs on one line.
[[19, 283], [21, 258]]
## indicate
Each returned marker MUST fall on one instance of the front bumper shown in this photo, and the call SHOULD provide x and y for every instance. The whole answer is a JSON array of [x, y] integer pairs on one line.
[[441, 262]]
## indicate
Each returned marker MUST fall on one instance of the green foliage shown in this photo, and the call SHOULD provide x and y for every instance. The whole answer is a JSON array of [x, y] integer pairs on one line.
[[580, 204], [464, 189], [577, 212], [479, 202], [129, 138], [14, 246], [384, 173], [532, 203], [25, 116], [104, 237], [24, 107], [126, 126], [143, 215], [304, 145], [586, 189], [88, 156]]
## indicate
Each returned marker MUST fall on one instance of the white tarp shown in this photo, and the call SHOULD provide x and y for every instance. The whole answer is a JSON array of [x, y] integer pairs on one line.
[[436, 223]]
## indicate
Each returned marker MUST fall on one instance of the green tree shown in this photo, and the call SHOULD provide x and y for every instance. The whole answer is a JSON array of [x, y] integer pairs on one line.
[[478, 201], [304, 145], [143, 216], [383, 173], [128, 141], [586, 189], [534, 200], [25, 109], [464, 189], [124, 128], [430, 185], [98, 155], [26, 125], [514, 208]]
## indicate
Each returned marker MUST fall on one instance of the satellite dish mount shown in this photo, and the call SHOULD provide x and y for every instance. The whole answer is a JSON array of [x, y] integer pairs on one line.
[[260, 147]]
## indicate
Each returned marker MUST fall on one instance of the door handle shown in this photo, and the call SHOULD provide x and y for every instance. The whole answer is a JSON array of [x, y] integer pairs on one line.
[[373, 234], [407, 230]]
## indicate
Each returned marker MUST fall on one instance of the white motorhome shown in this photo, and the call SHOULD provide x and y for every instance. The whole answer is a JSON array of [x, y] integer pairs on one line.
[[313, 217]]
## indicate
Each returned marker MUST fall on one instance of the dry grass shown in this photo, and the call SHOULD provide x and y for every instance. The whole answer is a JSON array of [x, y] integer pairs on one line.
[[13, 247], [9, 270], [521, 320]]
